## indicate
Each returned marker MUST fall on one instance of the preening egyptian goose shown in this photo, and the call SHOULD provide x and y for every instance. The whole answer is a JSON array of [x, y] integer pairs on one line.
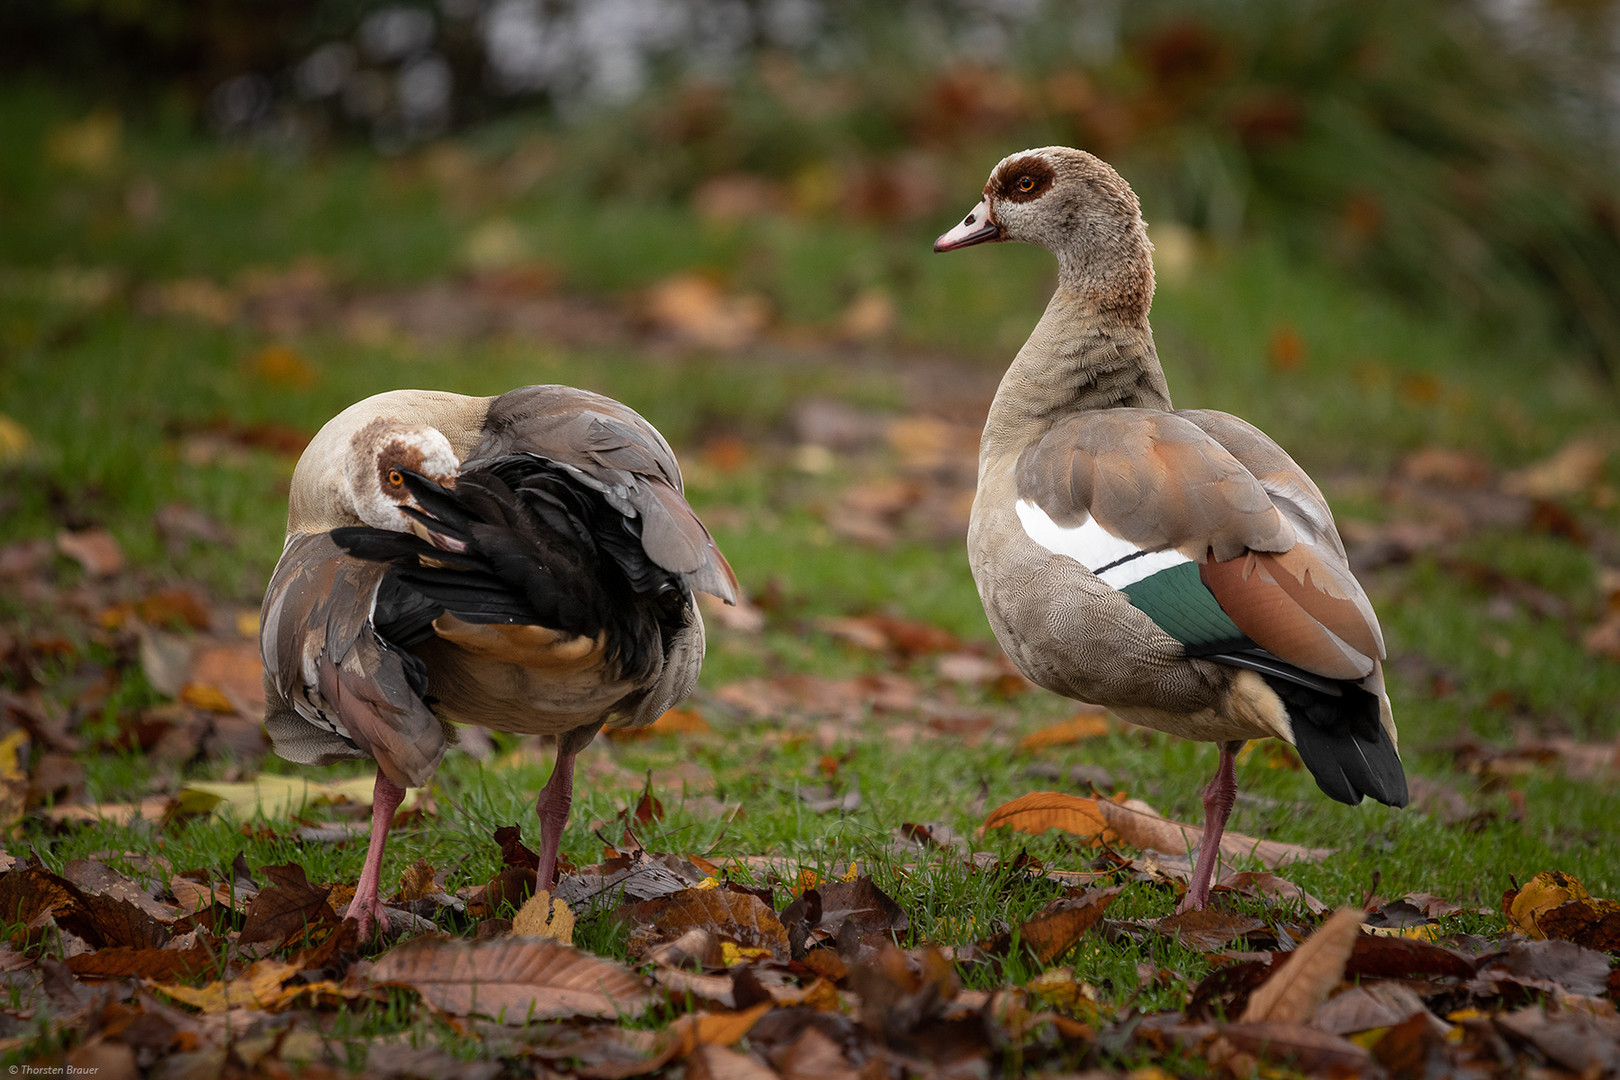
[[525, 563], [1175, 566]]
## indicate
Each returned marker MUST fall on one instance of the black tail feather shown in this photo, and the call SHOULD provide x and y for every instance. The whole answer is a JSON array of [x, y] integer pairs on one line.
[[539, 547], [1342, 742]]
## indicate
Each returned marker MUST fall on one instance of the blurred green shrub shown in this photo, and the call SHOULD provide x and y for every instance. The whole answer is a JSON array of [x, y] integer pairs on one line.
[[1459, 153]]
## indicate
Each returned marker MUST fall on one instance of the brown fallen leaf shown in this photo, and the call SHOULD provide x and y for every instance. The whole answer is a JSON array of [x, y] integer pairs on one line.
[[1363, 1008], [1557, 905], [96, 550], [1249, 883], [157, 965], [1293, 994], [512, 980], [738, 917], [287, 907], [1308, 1049], [1207, 929], [1055, 930], [719, 1063]]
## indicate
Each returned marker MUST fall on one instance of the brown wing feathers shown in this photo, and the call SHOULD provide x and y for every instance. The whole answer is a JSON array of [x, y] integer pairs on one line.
[[1265, 544]]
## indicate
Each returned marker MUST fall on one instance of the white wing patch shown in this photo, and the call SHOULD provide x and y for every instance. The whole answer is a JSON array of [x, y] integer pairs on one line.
[[1117, 561]]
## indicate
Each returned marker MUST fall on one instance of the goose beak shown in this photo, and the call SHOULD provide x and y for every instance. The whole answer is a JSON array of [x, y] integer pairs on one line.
[[977, 228]]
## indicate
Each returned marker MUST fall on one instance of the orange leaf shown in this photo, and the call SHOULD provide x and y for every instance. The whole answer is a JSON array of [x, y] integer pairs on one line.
[[1042, 810], [1087, 725]]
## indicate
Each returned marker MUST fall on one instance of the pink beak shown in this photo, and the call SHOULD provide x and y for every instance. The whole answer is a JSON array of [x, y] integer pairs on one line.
[[977, 228]]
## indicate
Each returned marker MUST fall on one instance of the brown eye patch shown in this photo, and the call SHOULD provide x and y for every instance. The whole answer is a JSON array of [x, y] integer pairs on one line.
[[394, 458], [1023, 179]]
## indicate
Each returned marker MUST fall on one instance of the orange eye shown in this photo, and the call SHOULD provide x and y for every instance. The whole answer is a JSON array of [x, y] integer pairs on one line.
[[1026, 183], [396, 477]]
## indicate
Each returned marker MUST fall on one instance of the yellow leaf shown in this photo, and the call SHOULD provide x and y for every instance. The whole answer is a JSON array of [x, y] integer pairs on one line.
[[731, 953], [204, 696], [90, 144], [15, 442], [275, 796], [259, 987], [543, 915], [1540, 895], [11, 751], [1087, 725], [710, 882]]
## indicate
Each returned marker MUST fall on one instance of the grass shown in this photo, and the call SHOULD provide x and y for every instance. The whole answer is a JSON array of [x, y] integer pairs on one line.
[[108, 392]]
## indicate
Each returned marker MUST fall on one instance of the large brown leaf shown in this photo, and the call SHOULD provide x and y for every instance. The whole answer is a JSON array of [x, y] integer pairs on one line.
[[1293, 994], [513, 980], [734, 916], [159, 965], [1134, 823]]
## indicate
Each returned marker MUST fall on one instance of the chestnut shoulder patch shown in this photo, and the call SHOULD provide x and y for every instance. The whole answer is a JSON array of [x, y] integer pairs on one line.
[[1022, 179]]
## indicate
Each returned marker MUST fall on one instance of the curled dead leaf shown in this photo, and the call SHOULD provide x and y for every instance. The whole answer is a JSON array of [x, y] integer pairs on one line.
[[1293, 994]]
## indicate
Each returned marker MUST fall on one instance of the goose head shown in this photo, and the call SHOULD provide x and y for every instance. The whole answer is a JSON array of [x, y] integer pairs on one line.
[[374, 470], [1076, 206]]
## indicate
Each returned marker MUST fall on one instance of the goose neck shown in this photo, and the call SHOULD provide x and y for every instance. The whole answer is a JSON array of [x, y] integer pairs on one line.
[[1079, 357]]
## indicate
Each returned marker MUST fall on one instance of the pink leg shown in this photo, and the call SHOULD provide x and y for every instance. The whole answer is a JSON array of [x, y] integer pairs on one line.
[[1218, 799], [366, 908], [555, 799]]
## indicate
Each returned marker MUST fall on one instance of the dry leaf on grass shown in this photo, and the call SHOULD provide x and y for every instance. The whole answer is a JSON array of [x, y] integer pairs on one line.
[[159, 965], [1086, 725], [544, 916], [288, 906], [1293, 994], [276, 796], [738, 917], [513, 980], [1134, 823], [1557, 905], [96, 550], [1054, 931], [259, 987], [719, 1063], [1207, 929]]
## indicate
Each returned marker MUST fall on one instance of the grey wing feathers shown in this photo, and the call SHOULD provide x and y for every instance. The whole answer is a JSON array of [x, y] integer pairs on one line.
[[336, 690], [614, 450]]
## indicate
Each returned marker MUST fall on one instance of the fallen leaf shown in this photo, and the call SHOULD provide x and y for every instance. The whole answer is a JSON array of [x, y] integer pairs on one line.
[[95, 550], [719, 1063], [1293, 994], [513, 980], [1086, 725], [738, 917], [1055, 931], [544, 916], [1306, 1048], [1363, 1008], [259, 987], [1249, 883], [1042, 810], [1134, 823], [1208, 929], [290, 905], [157, 965], [274, 796]]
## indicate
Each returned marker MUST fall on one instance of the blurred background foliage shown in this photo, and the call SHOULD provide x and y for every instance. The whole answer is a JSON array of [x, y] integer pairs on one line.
[[1458, 153]]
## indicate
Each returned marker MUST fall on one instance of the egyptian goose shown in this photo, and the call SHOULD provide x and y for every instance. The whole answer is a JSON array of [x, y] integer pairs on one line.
[[525, 563], [1175, 566]]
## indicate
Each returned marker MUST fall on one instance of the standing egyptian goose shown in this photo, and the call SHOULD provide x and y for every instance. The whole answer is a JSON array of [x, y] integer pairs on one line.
[[524, 563], [1175, 566]]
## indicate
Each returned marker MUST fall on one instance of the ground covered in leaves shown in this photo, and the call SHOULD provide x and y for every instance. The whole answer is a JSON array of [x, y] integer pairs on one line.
[[865, 846]]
